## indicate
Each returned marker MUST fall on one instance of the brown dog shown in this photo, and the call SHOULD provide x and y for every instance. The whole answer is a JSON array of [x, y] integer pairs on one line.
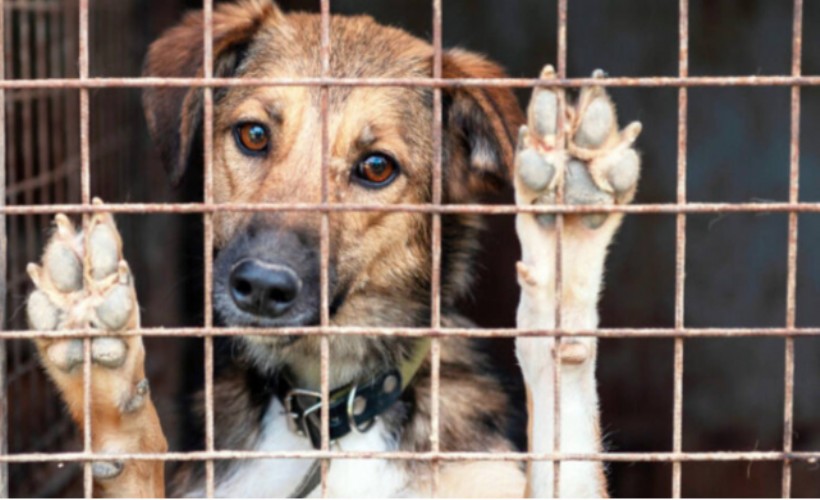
[[266, 148]]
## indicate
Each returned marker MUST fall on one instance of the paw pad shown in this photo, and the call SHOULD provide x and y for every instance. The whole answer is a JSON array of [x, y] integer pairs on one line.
[[63, 265], [65, 355], [598, 166], [108, 351], [534, 169], [83, 283], [106, 470]]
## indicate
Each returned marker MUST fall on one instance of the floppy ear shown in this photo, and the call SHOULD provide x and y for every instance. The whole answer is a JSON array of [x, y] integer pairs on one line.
[[480, 123], [174, 114]]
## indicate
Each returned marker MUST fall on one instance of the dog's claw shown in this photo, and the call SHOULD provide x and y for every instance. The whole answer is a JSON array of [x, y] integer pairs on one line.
[[598, 166]]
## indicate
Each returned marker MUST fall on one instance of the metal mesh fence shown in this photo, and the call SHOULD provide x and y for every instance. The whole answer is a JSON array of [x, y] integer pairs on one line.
[[45, 176]]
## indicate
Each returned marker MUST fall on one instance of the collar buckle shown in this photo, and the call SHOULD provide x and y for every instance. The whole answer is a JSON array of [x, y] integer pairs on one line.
[[298, 414]]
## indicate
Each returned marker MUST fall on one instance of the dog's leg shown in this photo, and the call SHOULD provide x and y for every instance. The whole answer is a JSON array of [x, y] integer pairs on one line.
[[84, 282], [598, 166]]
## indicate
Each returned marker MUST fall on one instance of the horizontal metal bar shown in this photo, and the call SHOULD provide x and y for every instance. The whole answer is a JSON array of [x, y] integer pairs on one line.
[[717, 456], [650, 81], [420, 332], [197, 208]]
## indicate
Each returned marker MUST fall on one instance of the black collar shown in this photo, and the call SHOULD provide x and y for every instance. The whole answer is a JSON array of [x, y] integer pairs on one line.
[[353, 407]]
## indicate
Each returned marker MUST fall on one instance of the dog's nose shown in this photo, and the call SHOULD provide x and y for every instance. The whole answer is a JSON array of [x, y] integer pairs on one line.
[[264, 289]]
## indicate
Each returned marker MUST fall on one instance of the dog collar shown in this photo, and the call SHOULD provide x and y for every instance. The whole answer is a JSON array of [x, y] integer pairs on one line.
[[353, 407]]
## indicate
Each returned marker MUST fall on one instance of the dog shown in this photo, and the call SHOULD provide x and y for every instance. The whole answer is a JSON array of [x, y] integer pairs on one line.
[[266, 148]]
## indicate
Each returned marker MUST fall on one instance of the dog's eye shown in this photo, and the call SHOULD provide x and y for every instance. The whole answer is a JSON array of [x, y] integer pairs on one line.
[[252, 138], [376, 170]]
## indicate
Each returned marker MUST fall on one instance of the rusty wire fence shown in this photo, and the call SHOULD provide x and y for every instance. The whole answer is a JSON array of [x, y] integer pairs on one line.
[[43, 96]]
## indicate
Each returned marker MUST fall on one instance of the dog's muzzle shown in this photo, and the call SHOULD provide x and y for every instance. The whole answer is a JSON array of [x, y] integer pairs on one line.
[[268, 277]]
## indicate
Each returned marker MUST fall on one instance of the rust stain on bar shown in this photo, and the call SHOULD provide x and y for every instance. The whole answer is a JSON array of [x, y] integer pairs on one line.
[[650, 81], [324, 276], [425, 332], [183, 208], [791, 280], [435, 285], [208, 130], [680, 245], [716, 456], [85, 194], [560, 141]]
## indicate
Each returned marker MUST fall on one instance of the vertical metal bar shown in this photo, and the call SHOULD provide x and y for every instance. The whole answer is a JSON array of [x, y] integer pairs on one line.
[[324, 281], [680, 245], [791, 280], [27, 142], [12, 161], [435, 288], [4, 468], [39, 392], [41, 72], [208, 128], [560, 142], [85, 190], [57, 121], [71, 65]]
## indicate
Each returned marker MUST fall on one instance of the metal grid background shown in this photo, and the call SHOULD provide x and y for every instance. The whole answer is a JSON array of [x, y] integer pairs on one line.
[[36, 189]]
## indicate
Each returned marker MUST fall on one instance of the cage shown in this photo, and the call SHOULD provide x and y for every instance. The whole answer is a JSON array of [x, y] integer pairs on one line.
[[708, 365]]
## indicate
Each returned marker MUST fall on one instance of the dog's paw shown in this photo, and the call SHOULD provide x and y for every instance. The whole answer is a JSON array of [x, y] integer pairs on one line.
[[599, 166], [84, 282]]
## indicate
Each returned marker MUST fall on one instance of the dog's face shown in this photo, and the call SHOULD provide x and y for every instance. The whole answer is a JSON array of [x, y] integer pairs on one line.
[[268, 148]]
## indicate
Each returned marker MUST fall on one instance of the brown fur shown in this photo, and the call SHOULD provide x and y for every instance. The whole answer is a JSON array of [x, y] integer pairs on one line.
[[381, 261]]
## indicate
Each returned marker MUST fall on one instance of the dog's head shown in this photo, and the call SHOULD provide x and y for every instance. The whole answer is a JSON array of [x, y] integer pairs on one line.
[[267, 148]]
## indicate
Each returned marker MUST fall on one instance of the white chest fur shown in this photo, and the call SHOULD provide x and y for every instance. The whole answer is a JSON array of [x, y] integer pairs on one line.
[[346, 478]]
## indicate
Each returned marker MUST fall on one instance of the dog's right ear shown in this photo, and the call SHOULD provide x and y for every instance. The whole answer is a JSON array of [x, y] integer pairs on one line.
[[174, 114]]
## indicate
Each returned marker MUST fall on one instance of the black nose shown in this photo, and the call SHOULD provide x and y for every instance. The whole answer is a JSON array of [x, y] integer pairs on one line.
[[264, 289]]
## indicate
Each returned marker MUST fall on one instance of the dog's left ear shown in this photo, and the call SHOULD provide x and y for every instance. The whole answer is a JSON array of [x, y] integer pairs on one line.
[[174, 114], [479, 123]]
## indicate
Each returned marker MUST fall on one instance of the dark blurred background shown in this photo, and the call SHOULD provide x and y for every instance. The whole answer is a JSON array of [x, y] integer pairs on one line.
[[736, 263]]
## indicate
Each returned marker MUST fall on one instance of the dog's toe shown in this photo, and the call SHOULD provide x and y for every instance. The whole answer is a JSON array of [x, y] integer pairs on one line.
[[63, 266], [103, 250], [109, 352], [597, 123], [624, 172], [116, 307], [65, 355], [43, 314], [534, 169]]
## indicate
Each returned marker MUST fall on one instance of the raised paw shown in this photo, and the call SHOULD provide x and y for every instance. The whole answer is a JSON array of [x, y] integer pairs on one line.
[[83, 282], [598, 166]]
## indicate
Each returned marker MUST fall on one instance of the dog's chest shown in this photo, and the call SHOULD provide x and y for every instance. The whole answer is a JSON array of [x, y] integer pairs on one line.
[[281, 477]]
